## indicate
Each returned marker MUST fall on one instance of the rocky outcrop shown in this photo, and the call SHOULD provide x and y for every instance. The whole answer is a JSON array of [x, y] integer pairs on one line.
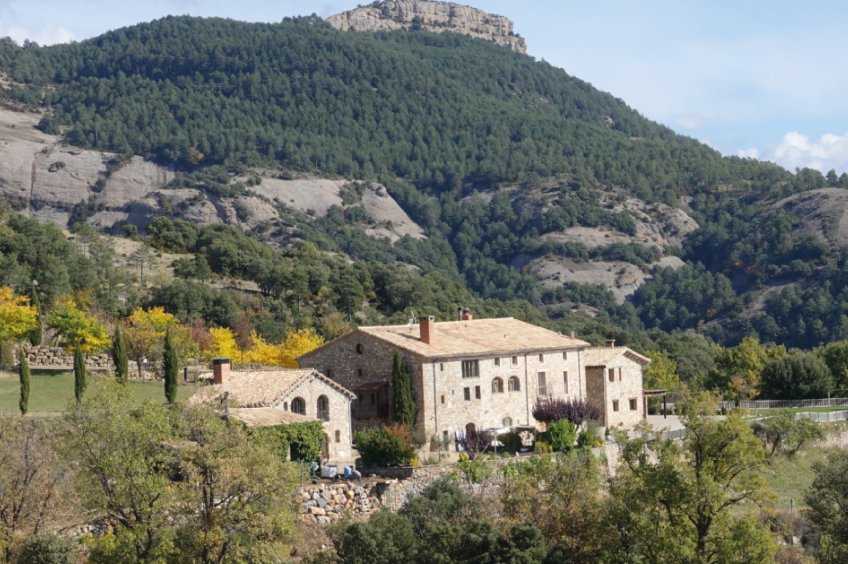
[[392, 15]]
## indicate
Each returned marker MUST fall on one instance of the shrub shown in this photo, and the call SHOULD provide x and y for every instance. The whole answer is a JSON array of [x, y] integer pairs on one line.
[[561, 435], [386, 446], [542, 447], [510, 441], [475, 442], [548, 410], [47, 549], [476, 470], [590, 438]]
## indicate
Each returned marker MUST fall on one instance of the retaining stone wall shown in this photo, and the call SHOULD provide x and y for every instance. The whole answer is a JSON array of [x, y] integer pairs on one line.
[[44, 356]]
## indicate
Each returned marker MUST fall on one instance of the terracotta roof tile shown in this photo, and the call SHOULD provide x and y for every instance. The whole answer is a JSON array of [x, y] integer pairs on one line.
[[259, 388], [602, 356], [504, 335]]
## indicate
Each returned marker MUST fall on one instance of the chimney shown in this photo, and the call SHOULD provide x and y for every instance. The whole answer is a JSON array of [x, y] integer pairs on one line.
[[573, 334], [466, 315], [610, 343], [220, 370], [427, 329]]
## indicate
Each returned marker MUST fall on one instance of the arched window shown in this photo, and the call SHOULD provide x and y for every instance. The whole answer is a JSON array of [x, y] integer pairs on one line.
[[298, 406], [323, 408], [514, 384], [507, 422], [360, 348], [497, 386]]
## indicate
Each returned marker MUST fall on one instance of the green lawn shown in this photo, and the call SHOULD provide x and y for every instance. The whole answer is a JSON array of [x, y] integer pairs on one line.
[[790, 477], [51, 392]]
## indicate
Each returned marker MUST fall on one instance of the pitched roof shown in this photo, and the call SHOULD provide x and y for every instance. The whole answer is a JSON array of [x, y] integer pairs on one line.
[[504, 335], [260, 388], [268, 417], [603, 356]]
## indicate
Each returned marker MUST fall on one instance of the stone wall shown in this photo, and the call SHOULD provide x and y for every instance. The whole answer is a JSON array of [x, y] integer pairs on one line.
[[337, 431], [386, 487], [55, 357], [434, 17], [626, 385]]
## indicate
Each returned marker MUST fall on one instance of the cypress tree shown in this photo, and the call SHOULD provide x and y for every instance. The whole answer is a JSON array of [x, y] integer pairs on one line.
[[403, 402], [79, 372], [119, 356], [35, 334], [171, 369], [24, 373], [7, 354]]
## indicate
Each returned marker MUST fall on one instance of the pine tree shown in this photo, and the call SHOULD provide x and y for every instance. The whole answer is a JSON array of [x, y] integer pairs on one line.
[[403, 401], [79, 372], [35, 335], [24, 373], [119, 356], [171, 367]]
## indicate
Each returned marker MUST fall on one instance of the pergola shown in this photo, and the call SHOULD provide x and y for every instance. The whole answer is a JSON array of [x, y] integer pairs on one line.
[[650, 394]]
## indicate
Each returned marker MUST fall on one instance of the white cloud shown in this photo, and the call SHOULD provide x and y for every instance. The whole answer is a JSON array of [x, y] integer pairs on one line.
[[796, 150], [751, 153], [49, 35]]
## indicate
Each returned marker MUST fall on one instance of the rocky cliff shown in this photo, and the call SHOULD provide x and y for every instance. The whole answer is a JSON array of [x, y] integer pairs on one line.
[[435, 17]]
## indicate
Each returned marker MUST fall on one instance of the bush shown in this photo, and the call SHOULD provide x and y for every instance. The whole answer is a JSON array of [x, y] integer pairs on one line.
[[388, 446], [542, 447], [475, 442], [590, 438], [476, 471], [548, 410], [47, 549], [510, 441], [561, 435]]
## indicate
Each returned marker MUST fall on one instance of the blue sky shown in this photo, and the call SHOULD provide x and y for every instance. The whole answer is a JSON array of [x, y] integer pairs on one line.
[[762, 79]]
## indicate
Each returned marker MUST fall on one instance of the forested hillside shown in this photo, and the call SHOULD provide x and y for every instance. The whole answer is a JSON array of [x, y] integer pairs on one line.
[[494, 154]]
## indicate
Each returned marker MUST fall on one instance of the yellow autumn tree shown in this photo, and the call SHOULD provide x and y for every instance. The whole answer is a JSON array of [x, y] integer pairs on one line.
[[262, 352], [144, 334], [76, 326], [17, 317], [298, 343], [223, 344]]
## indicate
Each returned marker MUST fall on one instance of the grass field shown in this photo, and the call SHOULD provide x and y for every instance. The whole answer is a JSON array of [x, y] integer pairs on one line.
[[790, 477], [51, 392]]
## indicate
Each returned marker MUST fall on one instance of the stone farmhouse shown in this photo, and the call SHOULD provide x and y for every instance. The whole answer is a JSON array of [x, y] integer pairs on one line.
[[282, 396], [486, 372]]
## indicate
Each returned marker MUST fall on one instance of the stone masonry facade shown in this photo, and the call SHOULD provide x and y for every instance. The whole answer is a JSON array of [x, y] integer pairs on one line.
[[337, 430], [617, 390]]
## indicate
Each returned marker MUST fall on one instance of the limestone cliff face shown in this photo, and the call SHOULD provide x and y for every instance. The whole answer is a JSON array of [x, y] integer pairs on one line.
[[435, 17]]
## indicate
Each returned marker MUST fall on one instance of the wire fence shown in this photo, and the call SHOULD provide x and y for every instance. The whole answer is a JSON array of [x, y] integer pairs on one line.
[[780, 404]]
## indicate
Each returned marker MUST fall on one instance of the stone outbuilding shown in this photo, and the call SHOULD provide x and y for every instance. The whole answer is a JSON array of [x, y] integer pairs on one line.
[[614, 384], [486, 372], [275, 396]]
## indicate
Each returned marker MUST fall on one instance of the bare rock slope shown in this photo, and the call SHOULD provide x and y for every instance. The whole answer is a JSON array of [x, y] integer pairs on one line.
[[434, 17], [822, 212]]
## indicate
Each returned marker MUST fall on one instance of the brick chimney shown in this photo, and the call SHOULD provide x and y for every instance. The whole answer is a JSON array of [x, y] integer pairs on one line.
[[466, 315], [427, 330], [610, 343], [220, 370]]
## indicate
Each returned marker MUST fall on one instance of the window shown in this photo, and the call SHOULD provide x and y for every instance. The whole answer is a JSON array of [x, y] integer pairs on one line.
[[323, 408], [285, 406], [470, 369], [298, 406], [467, 393], [541, 358], [514, 384], [497, 362], [543, 388], [507, 422], [615, 405], [442, 366], [338, 436], [633, 406], [515, 361], [373, 399], [565, 380], [565, 355], [477, 392], [497, 386], [619, 374], [612, 374], [359, 372], [443, 399], [360, 348]]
